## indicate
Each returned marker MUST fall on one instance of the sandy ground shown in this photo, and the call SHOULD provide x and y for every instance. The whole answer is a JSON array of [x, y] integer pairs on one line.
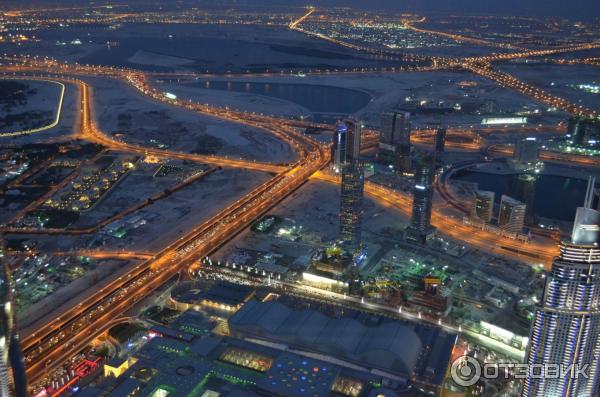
[[167, 219], [45, 99], [149, 58], [134, 188], [236, 100], [69, 120], [389, 91], [120, 109], [315, 207]]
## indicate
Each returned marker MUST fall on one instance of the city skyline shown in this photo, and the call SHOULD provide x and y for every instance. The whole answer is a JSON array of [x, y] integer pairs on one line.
[[346, 198]]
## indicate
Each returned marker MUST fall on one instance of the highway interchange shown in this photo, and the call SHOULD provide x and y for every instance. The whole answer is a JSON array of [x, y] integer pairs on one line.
[[48, 348]]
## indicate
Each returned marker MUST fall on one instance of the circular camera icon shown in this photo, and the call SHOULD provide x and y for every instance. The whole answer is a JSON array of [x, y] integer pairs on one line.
[[465, 371]]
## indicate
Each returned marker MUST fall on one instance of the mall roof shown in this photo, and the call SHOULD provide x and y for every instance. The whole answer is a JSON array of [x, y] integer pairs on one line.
[[221, 292], [391, 345], [126, 388]]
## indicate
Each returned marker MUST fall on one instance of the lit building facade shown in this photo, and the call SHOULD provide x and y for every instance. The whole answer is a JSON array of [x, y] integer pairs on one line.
[[403, 158], [346, 160], [351, 207], [346, 143], [483, 205], [347, 154], [11, 357], [566, 324], [511, 216], [584, 132], [440, 140], [420, 228], [394, 144], [523, 188], [526, 154]]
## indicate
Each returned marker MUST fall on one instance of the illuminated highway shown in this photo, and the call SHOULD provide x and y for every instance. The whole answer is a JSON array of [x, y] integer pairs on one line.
[[298, 21], [459, 37], [49, 347], [481, 65], [506, 80], [533, 251], [120, 255], [92, 133]]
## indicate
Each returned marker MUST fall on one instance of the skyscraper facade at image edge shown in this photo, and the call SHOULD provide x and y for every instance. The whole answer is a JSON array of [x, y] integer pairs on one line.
[[566, 324], [11, 357]]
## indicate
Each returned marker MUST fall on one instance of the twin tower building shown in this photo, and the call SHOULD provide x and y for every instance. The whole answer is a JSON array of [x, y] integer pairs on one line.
[[565, 333], [394, 146]]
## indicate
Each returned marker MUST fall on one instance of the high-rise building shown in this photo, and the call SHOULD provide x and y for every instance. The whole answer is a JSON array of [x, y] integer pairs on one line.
[[440, 140], [483, 205], [523, 188], [339, 145], [566, 323], [584, 132], [420, 228], [351, 206], [511, 216], [353, 180], [394, 144], [402, 158], [526, 153], [11, 357], [395, 128], [346, 143]]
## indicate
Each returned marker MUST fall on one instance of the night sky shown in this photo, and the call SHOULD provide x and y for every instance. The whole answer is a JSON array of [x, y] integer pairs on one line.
[[585, 9]]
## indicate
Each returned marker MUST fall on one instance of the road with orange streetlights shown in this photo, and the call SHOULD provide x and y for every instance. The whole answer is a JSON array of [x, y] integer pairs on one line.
[[509, 81], [458, 37], [48, 347], [92, 133], [120, 255], [539, 252], [481, 65], [298, 21]]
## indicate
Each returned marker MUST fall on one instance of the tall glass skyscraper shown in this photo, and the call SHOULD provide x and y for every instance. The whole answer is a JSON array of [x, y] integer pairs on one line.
[[420, 223], [395, 128], [351, 207], [566, 324], [440, 140], [347, 150], [339, 146], [346, 143], [11, 357], [394, 143]]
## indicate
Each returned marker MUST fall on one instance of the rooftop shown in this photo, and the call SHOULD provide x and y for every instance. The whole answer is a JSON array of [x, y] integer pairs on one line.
[[397, 347], [222, 292]]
